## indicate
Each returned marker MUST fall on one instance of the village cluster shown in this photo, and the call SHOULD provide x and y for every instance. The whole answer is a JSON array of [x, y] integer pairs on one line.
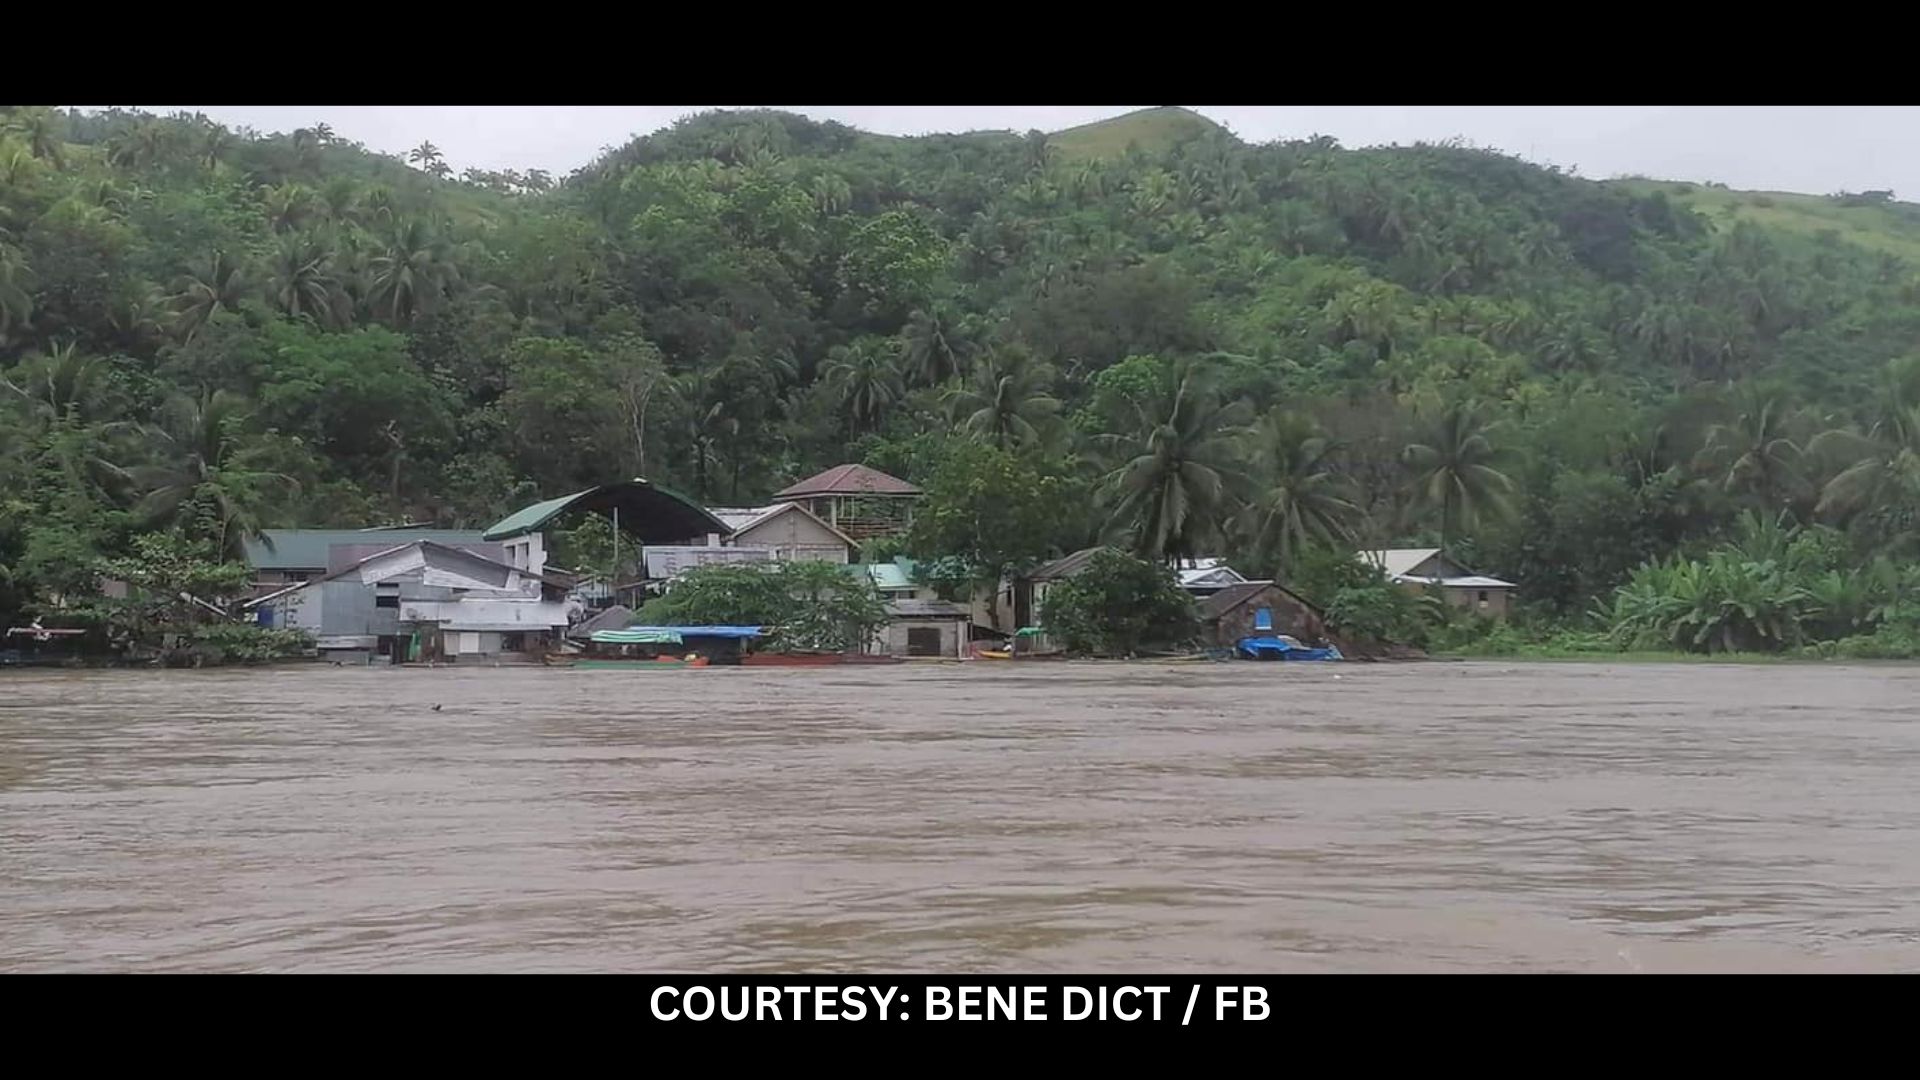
[[407, 594]]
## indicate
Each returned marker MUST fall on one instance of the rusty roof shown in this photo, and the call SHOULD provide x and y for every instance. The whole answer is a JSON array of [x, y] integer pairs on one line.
[[848, 480]]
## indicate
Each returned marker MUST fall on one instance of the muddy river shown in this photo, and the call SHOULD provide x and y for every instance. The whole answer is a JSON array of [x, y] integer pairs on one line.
[[964, 817]]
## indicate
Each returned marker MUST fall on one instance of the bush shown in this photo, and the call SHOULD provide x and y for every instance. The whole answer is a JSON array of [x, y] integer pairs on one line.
[[1118, 605], [246, 643], [804, 605]]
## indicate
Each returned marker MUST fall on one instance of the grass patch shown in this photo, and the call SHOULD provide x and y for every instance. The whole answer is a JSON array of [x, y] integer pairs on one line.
[[1893, 228], [1153, 130]]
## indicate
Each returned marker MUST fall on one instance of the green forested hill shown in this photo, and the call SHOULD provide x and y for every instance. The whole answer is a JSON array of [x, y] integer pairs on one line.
[[1210, 346]]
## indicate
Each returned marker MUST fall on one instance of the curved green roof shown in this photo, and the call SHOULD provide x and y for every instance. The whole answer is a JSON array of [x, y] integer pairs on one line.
[[654, 514]]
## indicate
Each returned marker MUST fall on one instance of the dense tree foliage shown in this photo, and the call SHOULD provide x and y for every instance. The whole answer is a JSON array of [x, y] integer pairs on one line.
[[802, 605], [1119, 605], [1254, 350]]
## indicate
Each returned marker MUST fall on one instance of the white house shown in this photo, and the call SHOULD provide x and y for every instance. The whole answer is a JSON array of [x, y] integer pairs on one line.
[[790, 531], [1418, 568], [423, 600]]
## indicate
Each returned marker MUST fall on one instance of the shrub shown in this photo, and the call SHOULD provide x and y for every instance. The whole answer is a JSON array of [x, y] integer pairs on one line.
[[1118, 605]]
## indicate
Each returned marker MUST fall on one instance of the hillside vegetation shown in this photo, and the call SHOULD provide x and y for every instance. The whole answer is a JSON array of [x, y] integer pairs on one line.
[[1153, 333]]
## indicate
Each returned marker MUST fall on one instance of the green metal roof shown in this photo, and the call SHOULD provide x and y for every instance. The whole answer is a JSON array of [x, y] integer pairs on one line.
[[306, 549], [648, 511]]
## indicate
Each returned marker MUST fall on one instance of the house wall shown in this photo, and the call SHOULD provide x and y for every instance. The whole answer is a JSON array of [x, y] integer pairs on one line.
[[953, 635], [796, 536], [1497, 603], [1290, 616]]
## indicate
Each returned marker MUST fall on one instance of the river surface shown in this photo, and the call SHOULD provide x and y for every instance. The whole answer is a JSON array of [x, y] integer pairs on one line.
[[964, 817]]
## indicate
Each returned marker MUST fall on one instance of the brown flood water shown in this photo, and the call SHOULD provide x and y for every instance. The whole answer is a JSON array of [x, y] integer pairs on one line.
[[976, 817]]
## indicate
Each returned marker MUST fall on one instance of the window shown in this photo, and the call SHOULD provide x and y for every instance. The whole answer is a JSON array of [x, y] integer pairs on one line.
[[1263, 619], [391, 600], [1483, 598]]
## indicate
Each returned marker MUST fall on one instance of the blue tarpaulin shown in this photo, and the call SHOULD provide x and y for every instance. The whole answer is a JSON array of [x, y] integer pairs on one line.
[[704, 631], [1272, 648]]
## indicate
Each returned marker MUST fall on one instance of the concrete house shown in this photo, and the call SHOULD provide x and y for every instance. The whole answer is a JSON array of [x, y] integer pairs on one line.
[[1260, 609], [790, 531], [282, 557], [425, 601], [856, 500], [1419, 568], [925, 628]]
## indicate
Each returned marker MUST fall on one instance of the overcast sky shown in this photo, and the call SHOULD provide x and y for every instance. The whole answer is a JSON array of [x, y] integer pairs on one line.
[[1816, 149]]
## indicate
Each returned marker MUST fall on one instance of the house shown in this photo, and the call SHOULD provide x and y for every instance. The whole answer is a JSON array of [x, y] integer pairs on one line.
[[1021, 600], [641, 512], [790, 531], [1204, 577], [894, 579], [1260, 609], [1419, 568], [423, 600], [858, 501], [282, 557], [924, 628]]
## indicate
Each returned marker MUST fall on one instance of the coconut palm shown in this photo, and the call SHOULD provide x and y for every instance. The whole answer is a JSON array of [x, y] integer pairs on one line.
[[1754, 453], [865, 378], [1881, 470], [1456, 471], [933, 345], [414, 271], [1170, 487], [207, 483], [304, 282], [1297, 495], [198, 297], [1006, 402], [16, 304]]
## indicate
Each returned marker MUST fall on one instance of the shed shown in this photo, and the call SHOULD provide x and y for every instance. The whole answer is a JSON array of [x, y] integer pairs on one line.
[[924, 628], [1420, 568], [1257, 609]]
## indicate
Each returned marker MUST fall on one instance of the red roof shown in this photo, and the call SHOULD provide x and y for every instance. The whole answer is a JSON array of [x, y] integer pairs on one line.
[[848, 480]]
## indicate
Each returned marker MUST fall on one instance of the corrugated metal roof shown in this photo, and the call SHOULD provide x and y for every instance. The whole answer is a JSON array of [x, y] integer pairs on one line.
[[306, 549], [1471, 581], [1065, 566], [848, 480], [1398, 561], [1234, 595], [651, 512]]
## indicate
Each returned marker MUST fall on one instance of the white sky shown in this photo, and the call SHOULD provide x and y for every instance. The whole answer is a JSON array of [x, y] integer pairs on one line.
[[1817, 149]]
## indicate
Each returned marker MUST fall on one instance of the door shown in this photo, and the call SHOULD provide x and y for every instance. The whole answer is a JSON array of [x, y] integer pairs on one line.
[[923, 641]]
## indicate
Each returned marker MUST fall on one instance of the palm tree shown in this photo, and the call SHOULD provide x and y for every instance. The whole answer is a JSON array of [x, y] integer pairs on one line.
[[61, 383], [414, 271], [1170, 488], [1457, 471], [198, 297], [1754, 453], [39, 129], [932, 344], [207, 483], [1883, 462], [16, 304], [288, 206], [1298, 496], [1006, 402], [865, 378], [304, 282], [428, 157]]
